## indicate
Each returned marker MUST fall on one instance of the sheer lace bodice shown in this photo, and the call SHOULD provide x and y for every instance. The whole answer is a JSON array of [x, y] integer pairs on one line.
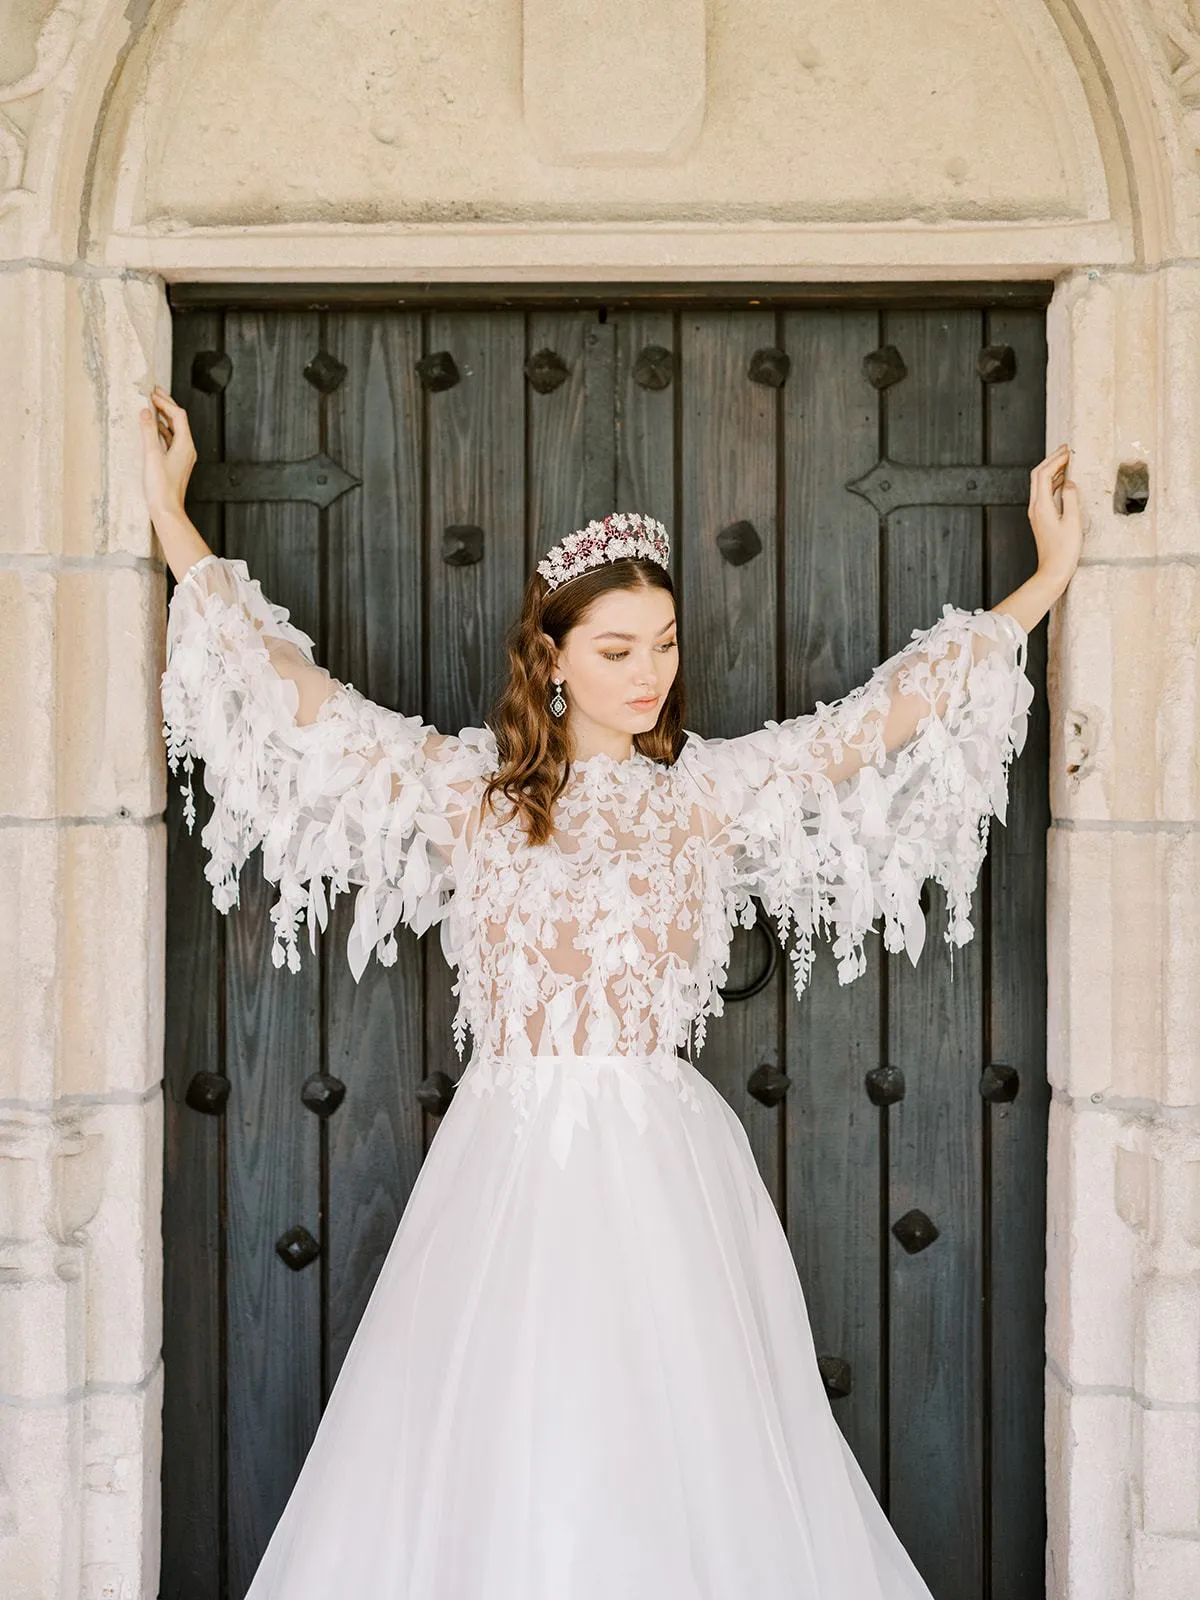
[[614, 936]]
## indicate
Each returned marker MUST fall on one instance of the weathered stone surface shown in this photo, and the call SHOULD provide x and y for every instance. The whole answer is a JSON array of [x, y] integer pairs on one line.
[[1180, 977], [440, 113], [81, 652], [607, 50], [1164, 1567], [124, 1243], [112, 896], [1089, 1448], [80, 354], [1168, 1366], [29, 927], [1127, 678], [1178, 393], [1177, 692], [1158, 1189], [109, 660], [1170, 1475], [121, 1468], [28, 723], [1121, 1013], [40, 1496], [118, 338], [1091, 1294], [41, 1356], [31, 356], [1106, 327]]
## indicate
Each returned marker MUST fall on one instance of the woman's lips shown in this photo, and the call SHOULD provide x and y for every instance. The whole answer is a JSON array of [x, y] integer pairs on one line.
[[644, 705]]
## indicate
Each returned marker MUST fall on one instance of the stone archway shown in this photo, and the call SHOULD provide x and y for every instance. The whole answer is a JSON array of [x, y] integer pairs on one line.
[[98, 209]]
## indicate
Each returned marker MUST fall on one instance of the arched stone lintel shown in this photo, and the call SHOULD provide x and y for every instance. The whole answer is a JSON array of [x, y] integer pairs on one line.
[[1116, 45]]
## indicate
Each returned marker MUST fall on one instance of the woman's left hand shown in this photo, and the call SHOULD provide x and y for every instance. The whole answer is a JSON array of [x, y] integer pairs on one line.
[[1057, 523]]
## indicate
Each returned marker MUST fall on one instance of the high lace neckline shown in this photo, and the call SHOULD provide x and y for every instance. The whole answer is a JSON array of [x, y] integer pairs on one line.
[[604, 759], [602, 772]]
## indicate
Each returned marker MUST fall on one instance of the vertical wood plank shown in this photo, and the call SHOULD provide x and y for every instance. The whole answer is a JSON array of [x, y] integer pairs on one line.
[[645, 431], [934, 554], [555, 423], [599, 420], [374, 1030], [476, 474], [729, 464], [274, 1016], [1016, 1132], [832, 642], [193, 1313]]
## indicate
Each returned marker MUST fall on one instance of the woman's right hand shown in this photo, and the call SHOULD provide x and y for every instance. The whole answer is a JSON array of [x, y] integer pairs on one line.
[[168, 454]]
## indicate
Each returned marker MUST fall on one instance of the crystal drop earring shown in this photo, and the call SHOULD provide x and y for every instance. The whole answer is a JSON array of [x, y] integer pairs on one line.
[[558, 703]]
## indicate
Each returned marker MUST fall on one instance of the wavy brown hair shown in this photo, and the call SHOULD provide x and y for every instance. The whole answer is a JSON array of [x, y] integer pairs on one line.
[[533, 747]]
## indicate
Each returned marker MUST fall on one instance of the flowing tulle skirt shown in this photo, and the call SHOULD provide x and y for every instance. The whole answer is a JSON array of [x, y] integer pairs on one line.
[[586, 1372]]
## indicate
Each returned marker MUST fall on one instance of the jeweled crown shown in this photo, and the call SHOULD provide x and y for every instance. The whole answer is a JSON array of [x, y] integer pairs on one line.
[[611, 538]]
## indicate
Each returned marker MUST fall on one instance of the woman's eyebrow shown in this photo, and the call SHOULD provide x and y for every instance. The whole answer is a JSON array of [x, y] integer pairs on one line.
[[612, 635]]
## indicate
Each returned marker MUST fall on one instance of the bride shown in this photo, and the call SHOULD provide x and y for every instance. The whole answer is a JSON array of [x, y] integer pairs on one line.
[[586, 1371]]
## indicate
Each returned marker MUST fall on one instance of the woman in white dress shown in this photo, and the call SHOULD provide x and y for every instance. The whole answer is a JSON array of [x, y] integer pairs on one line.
[[586, 1370]]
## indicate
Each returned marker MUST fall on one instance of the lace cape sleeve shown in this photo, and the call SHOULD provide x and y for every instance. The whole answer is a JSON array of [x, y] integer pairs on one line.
[[833, 826], [351, 794]]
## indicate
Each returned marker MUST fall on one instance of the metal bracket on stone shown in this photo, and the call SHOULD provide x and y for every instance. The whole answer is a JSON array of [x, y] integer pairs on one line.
[[892, 484], [1131, 495], [319, 480]]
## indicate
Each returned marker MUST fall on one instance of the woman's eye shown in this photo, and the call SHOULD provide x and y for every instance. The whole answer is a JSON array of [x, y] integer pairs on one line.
[[619, 655]]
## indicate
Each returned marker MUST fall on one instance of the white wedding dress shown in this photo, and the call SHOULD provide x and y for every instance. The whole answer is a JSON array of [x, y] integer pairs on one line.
[[586, 1370]]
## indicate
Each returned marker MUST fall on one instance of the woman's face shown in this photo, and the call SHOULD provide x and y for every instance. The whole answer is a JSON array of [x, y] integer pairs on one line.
[[618, 662]]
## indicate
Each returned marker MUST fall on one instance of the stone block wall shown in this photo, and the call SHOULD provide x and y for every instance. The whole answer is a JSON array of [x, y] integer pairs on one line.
[[1123, 1247], [82, 886]]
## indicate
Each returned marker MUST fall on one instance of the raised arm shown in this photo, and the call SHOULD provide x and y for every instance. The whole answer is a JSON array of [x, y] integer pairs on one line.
[[337, 789], [836, 818], [169, 456]]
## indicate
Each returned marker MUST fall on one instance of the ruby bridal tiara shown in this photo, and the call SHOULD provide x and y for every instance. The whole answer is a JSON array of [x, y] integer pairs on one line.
[[613, 538]]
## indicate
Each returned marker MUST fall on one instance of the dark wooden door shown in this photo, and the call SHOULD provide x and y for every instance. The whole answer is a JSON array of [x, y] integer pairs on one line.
[[452, 447]]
